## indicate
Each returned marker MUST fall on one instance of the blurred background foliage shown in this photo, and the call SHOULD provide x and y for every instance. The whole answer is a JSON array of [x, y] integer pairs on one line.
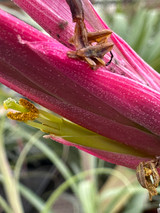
[[51, 177], [138, 23]]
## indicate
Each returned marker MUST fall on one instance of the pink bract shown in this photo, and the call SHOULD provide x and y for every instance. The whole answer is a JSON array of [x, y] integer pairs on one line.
[[121, 101]]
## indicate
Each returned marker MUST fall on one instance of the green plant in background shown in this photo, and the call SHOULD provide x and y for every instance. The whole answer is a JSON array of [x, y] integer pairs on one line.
[[141, 30]]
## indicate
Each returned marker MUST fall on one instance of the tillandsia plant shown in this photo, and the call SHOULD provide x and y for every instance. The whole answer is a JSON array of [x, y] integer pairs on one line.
[[112, 112]]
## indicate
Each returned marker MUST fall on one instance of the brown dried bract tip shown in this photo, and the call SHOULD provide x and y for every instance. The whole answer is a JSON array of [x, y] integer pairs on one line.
[[32, 113], [76, 9], [148, 176], [90, 46]]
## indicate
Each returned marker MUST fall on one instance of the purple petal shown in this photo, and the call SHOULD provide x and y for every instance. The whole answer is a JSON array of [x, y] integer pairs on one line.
[[131, 99], [116, 106], [52, 16], [53, 80]]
